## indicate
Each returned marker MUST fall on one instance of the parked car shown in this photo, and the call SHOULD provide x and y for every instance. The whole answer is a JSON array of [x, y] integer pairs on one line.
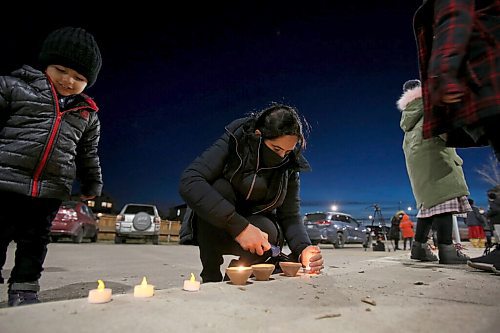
[[138, 221], [76, 221], [335, 228]]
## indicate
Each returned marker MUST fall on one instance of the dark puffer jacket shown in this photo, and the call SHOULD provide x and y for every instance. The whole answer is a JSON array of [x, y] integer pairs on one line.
[[259, 189], [43, 148]]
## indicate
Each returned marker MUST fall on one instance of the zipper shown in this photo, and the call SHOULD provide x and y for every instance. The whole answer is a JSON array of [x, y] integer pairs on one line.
[[256, 170], [41, 165], [280, 189], [237, 153]]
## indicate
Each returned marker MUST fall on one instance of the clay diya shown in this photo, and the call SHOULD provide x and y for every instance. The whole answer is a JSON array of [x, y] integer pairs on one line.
[[290, 268], [262, 272], [239, 275]]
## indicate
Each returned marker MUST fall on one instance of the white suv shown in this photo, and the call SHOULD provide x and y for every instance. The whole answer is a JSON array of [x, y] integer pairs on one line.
[[138, 221]]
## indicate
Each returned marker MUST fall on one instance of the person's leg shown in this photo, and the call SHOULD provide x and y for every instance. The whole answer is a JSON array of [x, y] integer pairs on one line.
[[423, 227], [420, 249], [213, 242], [444, 227], [266, 225], [448, 254], [31, 237]]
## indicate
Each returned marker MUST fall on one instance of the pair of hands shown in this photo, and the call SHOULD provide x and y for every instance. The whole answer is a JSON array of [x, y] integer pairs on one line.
[[254, 240]]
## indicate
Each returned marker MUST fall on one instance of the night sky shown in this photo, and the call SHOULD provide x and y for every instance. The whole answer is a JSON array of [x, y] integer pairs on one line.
[[172, 78]]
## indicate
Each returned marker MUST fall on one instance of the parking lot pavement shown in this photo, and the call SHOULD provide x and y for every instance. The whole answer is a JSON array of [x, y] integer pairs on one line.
[[358, 291]]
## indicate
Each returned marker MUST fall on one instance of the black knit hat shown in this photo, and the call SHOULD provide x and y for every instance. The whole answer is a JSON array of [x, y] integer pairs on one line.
[[74, 48], [410, 84]]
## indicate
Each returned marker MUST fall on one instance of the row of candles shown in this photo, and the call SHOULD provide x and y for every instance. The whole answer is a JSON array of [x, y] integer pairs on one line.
[[237, 275], [103, 294]]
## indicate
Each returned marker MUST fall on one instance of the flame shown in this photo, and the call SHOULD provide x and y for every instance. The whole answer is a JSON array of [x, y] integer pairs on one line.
[[192, 279], [144, 281], [100, 285]]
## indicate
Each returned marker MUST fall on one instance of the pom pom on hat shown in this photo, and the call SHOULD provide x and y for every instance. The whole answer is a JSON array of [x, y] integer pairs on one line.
[[74, 48]]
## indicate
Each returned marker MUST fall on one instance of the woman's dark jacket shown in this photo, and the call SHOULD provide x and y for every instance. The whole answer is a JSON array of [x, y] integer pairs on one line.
[[475, 218], [259, 190], [43, 147]]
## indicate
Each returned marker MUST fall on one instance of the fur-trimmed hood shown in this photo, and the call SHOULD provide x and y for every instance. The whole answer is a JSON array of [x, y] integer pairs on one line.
[[412, 109], [408, 96]]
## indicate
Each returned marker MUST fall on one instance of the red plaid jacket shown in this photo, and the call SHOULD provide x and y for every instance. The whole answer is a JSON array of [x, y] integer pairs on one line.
[[458, 51]]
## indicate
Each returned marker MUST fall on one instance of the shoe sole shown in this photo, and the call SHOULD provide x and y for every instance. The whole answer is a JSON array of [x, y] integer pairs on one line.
[[481, 266], [453, 263], [496, 271]]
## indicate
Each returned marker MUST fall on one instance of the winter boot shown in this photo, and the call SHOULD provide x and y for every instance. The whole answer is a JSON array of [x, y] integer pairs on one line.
[[449, 254], [490, 257], [23, 293], [422, 252]]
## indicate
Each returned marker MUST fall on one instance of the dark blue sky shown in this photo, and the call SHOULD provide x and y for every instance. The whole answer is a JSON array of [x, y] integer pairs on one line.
[[172, 78]]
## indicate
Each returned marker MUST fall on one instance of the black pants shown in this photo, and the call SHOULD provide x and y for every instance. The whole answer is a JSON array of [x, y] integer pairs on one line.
[[443, 224], [410, 241], [215, 242], [26, 221]]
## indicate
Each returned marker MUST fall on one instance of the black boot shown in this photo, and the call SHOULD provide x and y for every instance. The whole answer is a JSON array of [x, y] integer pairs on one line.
[[23, 293], [422, 252], [448, 254], [490, 257]]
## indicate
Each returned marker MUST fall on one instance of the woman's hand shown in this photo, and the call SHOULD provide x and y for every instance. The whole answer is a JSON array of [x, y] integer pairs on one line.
[[311, 256], [253, 239]]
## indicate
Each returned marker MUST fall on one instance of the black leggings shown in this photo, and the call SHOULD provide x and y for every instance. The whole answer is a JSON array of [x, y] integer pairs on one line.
[[215, 242], [443, 224]]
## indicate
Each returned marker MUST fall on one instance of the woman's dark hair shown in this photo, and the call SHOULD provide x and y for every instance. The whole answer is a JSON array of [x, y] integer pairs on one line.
[[279, 120]]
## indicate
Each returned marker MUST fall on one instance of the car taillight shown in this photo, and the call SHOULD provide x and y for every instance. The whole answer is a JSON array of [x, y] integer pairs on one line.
[[120, 217], [157, 220], [324, 222]]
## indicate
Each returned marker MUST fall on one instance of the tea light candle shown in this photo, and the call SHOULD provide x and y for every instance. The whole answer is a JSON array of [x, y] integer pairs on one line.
[[144, 289], [99, 295], [191, 284]]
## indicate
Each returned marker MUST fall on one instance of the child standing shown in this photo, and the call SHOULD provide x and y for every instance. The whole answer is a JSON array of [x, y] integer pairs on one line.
[[49, 133], [406, 226]]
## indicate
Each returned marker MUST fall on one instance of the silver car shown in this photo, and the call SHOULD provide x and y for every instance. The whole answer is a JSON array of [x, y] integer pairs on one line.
[[335, 228], [138, 221]]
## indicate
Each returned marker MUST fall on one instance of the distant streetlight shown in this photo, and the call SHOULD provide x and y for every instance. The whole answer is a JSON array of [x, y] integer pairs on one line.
[[409, 209], [370, 217], [334, 208]]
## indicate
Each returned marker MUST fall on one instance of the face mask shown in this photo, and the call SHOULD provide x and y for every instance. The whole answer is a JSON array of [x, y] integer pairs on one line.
[[268, 157]]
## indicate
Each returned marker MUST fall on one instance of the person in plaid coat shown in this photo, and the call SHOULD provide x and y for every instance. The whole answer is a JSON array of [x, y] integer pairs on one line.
[[459, 60]]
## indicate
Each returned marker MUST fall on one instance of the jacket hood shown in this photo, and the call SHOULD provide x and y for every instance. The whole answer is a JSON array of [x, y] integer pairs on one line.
[[408, 96], [411, 106]]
